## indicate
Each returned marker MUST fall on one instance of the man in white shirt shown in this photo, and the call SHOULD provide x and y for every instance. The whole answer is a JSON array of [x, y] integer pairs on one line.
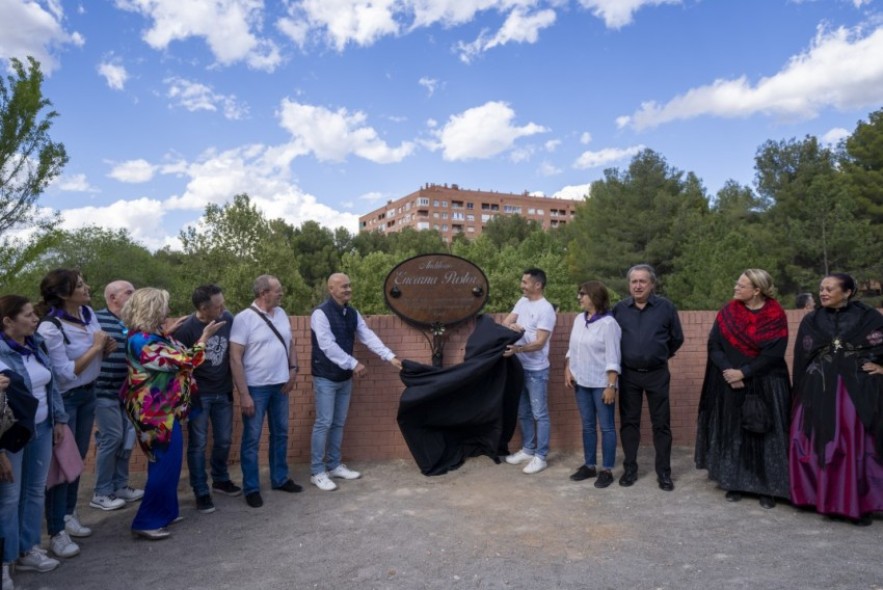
[[334, 327], [534, 317], [263, 361]]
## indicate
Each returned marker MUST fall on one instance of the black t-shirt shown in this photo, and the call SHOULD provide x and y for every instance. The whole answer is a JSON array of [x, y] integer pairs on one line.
[[213, 375]]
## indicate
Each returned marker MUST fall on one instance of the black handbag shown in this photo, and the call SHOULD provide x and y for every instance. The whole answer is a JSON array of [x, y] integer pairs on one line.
[[756, 415]]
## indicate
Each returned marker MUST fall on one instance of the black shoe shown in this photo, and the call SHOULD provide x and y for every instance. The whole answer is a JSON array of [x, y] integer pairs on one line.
[[733, 496], [584, 473], [204, 504], [227, 487], [767, 502], [665, 483], [605, 478], [865, 520], [290, 487], [628, 479], [254, 499]]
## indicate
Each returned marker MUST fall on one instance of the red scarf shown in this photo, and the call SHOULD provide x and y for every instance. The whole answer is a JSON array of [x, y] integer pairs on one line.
[[747, 331]]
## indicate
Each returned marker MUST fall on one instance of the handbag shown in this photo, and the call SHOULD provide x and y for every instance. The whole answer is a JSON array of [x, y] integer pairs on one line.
[[756, 415]]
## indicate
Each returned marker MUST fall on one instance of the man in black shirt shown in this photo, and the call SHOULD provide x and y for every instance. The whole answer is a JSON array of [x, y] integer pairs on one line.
[[214, 399], [651, 334]]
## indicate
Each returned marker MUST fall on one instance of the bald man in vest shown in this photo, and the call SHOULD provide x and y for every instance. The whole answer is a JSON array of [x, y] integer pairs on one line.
[[334, 328]]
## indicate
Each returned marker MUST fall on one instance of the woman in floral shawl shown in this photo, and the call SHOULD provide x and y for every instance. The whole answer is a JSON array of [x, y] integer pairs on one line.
[[157, 397], [745, 408], [837, 430]]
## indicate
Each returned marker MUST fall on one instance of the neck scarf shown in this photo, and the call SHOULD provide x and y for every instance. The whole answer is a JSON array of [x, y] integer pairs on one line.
[[61, 314], [748, 330], [594, 318], [29, 347]]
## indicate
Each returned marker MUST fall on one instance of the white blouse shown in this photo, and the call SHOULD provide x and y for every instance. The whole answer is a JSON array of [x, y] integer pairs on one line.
[[594, 350]]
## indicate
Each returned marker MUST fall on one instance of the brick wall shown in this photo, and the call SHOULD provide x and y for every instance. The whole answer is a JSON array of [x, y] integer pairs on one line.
[[372, 432]]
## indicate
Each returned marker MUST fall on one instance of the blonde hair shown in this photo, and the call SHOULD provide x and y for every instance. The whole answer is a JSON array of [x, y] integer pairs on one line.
[[762, 280], [146, 310]]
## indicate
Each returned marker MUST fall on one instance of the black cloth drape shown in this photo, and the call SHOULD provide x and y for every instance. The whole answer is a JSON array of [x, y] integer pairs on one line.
[[470, 409], [24, 408]]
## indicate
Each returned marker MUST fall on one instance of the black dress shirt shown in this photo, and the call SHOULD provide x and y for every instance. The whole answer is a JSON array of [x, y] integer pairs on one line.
[[650, 336]]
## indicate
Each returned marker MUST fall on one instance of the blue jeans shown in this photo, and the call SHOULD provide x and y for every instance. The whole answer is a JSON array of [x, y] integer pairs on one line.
[[217, 408], [588, 399], [332, 405], [269, 400], [21, 500], [534, 407], [111, 452], [159, 506], [61, 500]]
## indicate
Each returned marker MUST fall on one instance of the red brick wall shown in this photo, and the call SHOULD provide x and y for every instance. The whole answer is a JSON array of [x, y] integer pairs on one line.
[[372, 432]]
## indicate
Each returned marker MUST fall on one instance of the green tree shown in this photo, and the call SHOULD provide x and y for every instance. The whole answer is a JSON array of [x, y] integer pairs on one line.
[[29, 160], [718, 246], [813, 212], [510, 230], [862, 164], [234, 244], [632, 217]]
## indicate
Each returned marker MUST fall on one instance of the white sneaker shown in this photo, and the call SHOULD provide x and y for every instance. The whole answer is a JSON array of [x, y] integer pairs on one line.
[[519, 457], [7, 578], [37, 561], [343, 472], [129, 494], [62, 546], [74, 528], [323, 482], [109, 502], [535, 466]]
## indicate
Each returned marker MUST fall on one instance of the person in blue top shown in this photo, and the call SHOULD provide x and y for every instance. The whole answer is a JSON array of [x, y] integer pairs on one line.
[[23, 474]]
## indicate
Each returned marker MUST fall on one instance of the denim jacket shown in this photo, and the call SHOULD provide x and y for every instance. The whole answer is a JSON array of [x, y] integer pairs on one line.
[[13, 360]]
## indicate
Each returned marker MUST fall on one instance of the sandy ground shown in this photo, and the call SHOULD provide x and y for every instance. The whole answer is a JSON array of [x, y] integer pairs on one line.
[[483, 526]]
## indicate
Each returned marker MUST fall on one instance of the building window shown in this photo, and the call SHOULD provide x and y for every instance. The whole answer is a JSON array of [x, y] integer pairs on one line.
[[485, 218], [456, 204], [470, 229], [423, 225], [457, 215], [444, 203], [470, 217], [435, 215], [444, 227], [435, 203], [470, 205], [531, 211], [444, 214], [423, 201], [540, 212], [511, 209]]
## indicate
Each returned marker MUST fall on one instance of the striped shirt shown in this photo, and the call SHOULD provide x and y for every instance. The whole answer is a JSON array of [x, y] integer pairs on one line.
[[113, 367]]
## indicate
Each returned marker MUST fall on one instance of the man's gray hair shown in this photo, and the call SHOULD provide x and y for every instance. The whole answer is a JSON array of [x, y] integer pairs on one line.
[[645, 267], [262, 284]]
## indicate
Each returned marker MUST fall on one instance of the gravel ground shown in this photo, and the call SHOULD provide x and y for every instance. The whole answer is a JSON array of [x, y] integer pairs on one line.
[[483, 526]]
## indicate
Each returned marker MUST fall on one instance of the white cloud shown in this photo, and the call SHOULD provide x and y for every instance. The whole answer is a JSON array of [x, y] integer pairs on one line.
[[606, 156], [38, 31], [576, 192], [133, 171], [585, 138], [76, 183], [619, 13], [841, 69], [429, 83], [833, 136], [143, 218], [114, 73], [195, 96], [552, 145], [519, 27], [228, 26], [549, 169], [372, 197], [333, 135], [264, 173], [361, 22], [482, 132], [521, 154]]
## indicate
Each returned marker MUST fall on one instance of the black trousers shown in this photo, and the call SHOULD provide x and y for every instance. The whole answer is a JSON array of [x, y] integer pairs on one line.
[[632, 387]]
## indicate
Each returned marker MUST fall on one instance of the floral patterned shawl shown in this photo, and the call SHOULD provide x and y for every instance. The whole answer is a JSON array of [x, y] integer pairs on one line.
[[158, 386]]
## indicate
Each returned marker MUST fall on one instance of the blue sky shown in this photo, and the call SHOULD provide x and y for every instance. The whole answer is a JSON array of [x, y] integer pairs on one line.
[[325, 109]]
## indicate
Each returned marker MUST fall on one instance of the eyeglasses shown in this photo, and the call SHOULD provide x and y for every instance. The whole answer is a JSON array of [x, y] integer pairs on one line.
[[581, 294]]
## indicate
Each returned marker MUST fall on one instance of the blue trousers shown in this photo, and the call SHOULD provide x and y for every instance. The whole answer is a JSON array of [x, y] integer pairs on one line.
[[159, 507]]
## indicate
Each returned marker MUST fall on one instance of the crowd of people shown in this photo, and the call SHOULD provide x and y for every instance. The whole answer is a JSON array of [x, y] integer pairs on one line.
[[140, 376]]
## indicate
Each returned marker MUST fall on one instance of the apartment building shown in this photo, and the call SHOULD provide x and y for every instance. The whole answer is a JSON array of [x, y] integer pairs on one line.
[[452, 210]]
